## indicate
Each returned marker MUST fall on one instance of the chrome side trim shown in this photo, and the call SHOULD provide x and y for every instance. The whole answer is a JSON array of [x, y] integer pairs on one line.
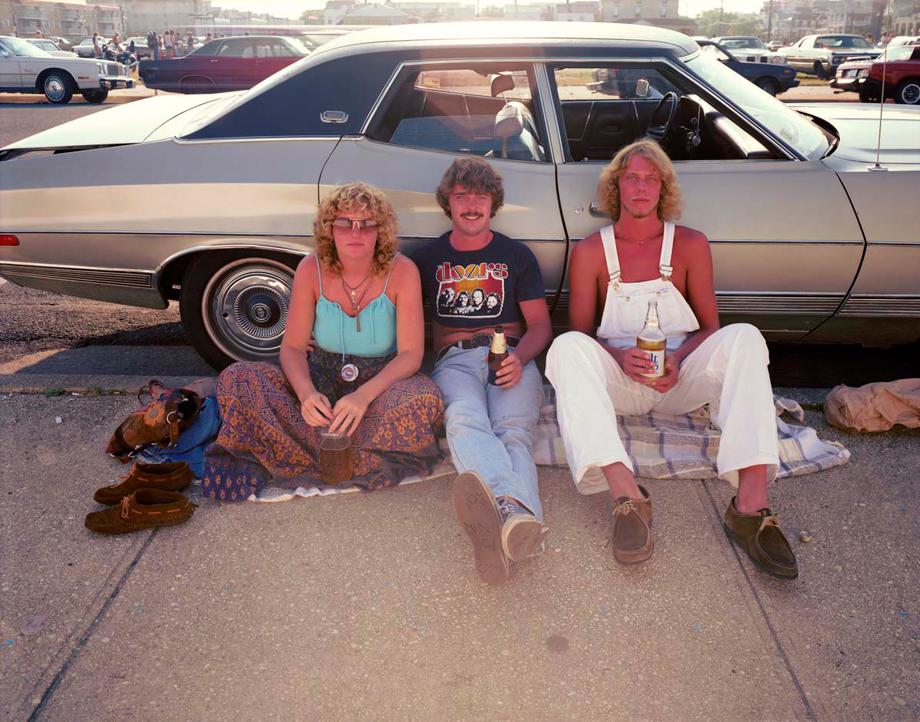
[[550, 120], [783, 304], [100, 276], [235, 247], [881, 307], [264, 139], [377, 103]]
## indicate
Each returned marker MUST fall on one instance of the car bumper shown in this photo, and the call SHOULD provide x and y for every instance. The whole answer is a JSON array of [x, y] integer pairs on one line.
[[112, 82], [789, 84], [851, 84]]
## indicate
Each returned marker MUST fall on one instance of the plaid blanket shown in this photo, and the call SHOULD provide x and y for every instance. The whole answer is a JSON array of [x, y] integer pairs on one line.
[[659, 446]]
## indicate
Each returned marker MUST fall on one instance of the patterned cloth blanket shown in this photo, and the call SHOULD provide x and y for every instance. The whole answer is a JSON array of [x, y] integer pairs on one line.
[[659, 446]]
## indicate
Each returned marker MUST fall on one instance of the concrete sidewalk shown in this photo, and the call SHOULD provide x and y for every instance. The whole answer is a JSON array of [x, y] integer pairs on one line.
[[367, 606]]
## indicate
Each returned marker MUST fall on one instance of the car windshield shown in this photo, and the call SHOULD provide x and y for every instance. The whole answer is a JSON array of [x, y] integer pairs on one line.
[[841, 41], [20, 47], [301, 45], [795, 129], [731, 43], [209, 48], [902, 53]]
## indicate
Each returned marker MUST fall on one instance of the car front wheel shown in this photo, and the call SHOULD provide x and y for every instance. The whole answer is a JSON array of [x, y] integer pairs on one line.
[[96, 95], [867, 97], [58, 87], [820, 72], [235, 308], [908, 92]]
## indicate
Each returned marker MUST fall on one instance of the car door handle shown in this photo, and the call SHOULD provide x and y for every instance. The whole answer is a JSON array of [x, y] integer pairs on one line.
[[334, 116], [595, 210], [213, 61]]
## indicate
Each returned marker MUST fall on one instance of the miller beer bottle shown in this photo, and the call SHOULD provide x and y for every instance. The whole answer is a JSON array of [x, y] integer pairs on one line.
[[498, 352], [653, 341]]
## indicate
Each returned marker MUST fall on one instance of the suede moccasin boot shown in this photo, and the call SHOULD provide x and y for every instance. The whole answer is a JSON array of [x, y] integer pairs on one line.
[[169, 476], [760, 536], [144, 509], [631, 538]]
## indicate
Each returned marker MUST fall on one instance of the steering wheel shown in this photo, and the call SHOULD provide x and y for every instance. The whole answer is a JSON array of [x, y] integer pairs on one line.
[[659, 132]]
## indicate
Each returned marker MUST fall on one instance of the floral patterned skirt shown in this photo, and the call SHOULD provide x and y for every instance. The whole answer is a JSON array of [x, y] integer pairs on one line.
[[264, 439]]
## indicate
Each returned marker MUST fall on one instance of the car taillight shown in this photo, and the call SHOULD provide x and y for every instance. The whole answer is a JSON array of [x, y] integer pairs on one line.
[[8, 240]]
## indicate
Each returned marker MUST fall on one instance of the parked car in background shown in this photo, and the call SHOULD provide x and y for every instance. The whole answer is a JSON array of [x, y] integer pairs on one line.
[[750, 49], [140, 46], [899, 40], [807, 242], [902, 76], [51, 48], [821, 54], [25, 68], [234, 63], [85, 47], [62, 43], [769, 77], [775, 45]]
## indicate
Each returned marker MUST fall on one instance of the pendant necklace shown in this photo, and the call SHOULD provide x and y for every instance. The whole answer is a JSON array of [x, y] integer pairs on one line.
[[349, 372]]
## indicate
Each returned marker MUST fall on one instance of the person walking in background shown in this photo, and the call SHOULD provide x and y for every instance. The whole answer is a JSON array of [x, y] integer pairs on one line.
[[153, 45]]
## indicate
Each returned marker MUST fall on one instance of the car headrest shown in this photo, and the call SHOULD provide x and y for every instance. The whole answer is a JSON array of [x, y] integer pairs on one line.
[[501, 83], [509, 121]]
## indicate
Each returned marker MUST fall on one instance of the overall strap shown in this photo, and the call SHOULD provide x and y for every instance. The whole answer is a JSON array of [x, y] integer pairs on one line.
[[319, 272], [390, 273], [610, 253], [667, 245]]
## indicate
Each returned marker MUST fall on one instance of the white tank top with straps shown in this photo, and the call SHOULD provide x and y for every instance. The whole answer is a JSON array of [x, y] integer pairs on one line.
[[627, 303]]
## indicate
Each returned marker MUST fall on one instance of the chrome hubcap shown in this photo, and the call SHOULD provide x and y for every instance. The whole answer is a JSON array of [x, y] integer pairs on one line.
[[54, 88], [911, 94], [246, 308]]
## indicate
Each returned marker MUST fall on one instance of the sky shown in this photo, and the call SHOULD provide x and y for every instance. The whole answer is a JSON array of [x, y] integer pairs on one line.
[[293, 8]]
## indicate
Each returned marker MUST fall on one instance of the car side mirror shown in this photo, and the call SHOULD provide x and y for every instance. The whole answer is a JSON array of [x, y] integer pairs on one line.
[[642, 88], [4, 54]]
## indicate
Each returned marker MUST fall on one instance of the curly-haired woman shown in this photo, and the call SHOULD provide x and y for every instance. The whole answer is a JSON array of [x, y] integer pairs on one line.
[[350, 356]]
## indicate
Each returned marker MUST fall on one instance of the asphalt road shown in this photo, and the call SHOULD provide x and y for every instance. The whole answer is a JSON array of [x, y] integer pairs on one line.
[[32, 321]]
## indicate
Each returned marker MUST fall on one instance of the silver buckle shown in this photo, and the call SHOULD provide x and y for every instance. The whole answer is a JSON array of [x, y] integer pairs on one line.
[[666, 271]]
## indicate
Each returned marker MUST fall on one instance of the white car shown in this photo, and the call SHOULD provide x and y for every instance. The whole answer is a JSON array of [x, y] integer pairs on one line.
[[49, 47], [25, 68], [750, 49]]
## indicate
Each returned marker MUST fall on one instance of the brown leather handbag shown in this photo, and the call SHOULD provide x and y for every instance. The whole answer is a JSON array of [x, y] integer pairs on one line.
[[160, 422]]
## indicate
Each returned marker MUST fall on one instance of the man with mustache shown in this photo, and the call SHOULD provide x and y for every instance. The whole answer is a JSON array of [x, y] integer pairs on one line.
[[643, 257], [489, 427]]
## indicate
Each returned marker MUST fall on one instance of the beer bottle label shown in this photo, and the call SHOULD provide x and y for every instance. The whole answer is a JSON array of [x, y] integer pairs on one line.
[[657, 359]]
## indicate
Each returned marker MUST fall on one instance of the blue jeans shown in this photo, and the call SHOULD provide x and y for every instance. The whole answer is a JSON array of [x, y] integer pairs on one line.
[[490, 430]]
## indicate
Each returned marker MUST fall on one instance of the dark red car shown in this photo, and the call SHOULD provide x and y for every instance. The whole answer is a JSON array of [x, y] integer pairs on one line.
[[224, 64], [902, 76]]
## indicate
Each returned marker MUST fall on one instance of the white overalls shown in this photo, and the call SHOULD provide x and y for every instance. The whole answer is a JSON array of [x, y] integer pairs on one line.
[[729, 367]]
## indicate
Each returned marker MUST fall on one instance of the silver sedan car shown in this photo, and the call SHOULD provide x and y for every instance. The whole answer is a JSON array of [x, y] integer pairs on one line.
[[812, 222]]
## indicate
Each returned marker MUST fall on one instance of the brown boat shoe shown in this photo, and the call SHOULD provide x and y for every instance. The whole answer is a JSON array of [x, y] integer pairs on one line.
[[478, 514], [169, 476], [759, 534], [144, 509], [631, 537]]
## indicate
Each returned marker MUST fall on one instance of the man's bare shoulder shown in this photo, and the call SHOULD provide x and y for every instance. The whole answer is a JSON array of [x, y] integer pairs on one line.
[[690, 242], [589, 248]]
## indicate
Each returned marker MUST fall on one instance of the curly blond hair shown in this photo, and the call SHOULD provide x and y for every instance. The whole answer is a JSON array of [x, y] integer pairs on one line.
[[475, 175], [608, 189], [350, 198]]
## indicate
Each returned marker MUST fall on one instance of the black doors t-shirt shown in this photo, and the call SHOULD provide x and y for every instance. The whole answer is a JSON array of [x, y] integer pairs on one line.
[[472, 289]]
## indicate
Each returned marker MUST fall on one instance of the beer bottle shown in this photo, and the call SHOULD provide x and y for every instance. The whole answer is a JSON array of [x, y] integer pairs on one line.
[[653, 341], [498, 352]]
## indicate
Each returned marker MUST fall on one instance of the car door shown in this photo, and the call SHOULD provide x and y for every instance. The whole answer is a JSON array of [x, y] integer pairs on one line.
[[785, 243], [232, 67], [434, 113], [798, 57], [9, 68]]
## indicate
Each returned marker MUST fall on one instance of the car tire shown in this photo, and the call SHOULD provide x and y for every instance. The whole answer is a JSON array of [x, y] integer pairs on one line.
[[908, 92], [196, 84], [866, 97], [96, 95], [234, 306], [58, 87], [820, 72], [768, 85]]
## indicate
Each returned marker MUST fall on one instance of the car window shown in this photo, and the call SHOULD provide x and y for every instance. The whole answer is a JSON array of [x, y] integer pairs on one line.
[[209, 48], [841, 41], [237, 48], [22, 48], [483, 110]]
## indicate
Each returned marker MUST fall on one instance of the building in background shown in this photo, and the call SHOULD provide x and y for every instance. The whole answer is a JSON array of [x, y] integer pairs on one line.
[[660, 13], [72, 20]]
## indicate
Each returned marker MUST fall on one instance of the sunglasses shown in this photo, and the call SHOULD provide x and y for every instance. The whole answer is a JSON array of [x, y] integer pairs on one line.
[[354, 224]]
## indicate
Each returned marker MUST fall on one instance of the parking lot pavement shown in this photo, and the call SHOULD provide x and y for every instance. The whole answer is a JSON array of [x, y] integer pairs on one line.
[[366, 605], [122, 95]]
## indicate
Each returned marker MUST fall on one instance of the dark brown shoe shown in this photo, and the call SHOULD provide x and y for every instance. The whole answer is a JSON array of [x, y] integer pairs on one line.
[[169, 476], [144, 509], [478, 514], [760, 536], [632, 529]]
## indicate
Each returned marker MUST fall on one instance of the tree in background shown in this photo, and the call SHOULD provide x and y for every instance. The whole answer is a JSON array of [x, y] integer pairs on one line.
[[708, 23]]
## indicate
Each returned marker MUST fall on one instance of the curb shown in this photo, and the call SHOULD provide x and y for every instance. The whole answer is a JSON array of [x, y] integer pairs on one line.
[[116, 97]]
